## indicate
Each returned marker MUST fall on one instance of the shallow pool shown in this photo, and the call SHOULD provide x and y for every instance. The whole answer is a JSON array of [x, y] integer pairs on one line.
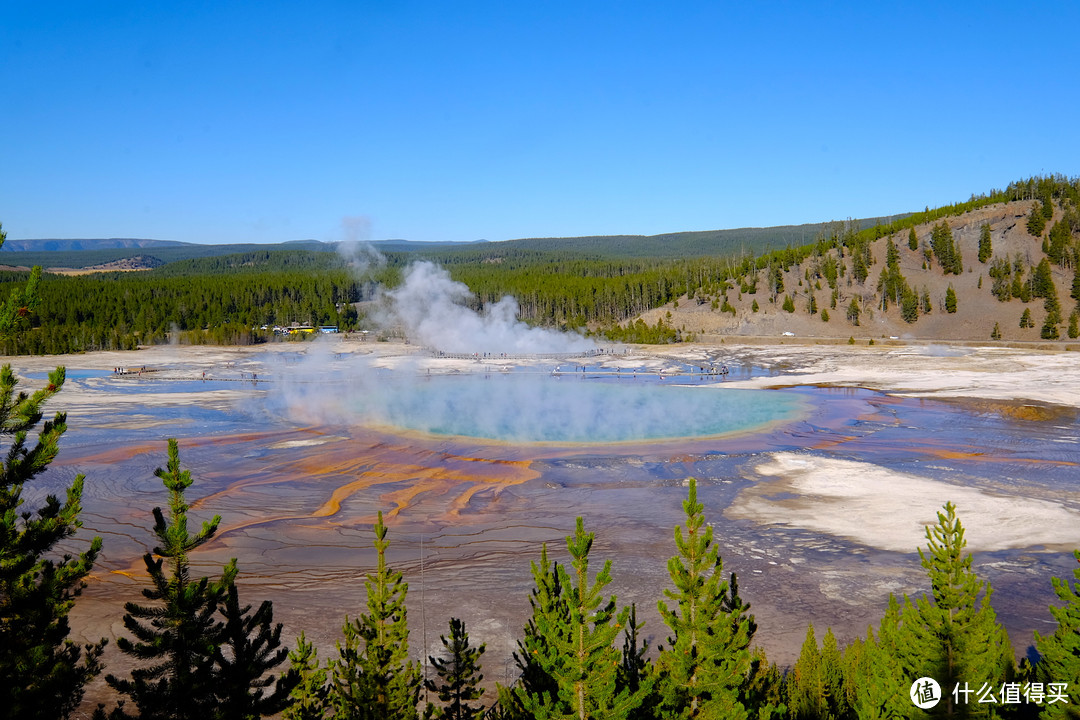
[[530, 409]]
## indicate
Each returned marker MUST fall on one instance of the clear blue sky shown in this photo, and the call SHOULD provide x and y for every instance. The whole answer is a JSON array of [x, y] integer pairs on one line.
[[273, 121]]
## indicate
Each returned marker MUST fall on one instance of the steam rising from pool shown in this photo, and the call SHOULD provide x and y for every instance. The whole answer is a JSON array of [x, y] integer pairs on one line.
[[525, 408], [543, 409], [433, 310]]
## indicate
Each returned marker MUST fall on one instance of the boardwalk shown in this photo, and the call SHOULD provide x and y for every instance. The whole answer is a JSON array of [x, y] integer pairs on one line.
[[598, 352]]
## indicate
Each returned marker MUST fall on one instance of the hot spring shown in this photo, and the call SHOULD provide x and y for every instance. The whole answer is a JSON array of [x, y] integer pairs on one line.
[[477, 464], [548, 409]]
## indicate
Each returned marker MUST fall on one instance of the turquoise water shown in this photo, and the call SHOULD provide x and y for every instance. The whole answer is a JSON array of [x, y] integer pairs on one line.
[[520, 409], [72, 374]]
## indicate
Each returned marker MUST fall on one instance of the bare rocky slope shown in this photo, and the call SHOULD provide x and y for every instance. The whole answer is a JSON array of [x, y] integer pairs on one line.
[[977, 308]]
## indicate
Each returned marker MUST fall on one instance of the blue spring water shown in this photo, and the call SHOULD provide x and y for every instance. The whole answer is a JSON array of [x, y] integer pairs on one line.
[[71, 374], [518, 409]]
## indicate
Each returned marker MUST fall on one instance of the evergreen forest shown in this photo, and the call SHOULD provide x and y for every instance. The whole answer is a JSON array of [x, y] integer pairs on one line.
[[601, 286]]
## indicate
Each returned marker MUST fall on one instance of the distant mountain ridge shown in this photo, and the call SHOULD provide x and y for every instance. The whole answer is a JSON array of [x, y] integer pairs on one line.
[[691, 243], [76, 244], [67, 245], [82, 253], [694, 242]]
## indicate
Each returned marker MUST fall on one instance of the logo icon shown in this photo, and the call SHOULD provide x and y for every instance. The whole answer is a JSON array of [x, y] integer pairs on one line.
[[925, 693]]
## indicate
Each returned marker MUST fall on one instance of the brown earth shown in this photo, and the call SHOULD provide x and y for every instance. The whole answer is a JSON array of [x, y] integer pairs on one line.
[[977, 308], [131, 264]]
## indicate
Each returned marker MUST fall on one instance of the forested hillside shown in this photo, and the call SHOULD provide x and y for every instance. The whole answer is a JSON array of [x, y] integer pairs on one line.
[[999, 266], [121, 311], [1003, 267]]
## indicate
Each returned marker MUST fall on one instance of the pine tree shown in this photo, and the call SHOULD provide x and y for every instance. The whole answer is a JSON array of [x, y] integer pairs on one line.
[[758, 694], [1059, 244], [951, 635], [586, 671], [853, 666], [1021, 289], [950, 300], [42, 672], [1042, 280], [707, 658], [21, 301], [853, 311], [1036, 222], [764, 688], [1049, 330], [909, 305], [537, 655], [635, 670], [777, 280], [250, 648], [459, 674], [912, 240], [1001, 272], [954, 629], [891, 284], [1074, 325], [807, 696], [1025, 319], [789, 304], [892, 255], [859, 268], [832, 675], [1060, 652], [179, 632], [1047, 208], [941, 242], [815, 685], [880, 674], [995, 334], [1053, 315], [985, 248], [738, 610], [309, 696], [373, 677]]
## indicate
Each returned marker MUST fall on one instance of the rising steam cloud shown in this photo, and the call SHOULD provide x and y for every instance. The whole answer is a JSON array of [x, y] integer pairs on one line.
[[518, 406], [432, 310], [356, 249], [326, 387]]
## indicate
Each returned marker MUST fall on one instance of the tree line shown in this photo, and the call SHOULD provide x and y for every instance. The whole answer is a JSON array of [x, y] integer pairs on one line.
[[121, 311], [227, 299], [846, 253]]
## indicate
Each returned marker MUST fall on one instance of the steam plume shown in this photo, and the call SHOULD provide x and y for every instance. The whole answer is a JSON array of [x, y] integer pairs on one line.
[[356, 248], [431, 308]]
